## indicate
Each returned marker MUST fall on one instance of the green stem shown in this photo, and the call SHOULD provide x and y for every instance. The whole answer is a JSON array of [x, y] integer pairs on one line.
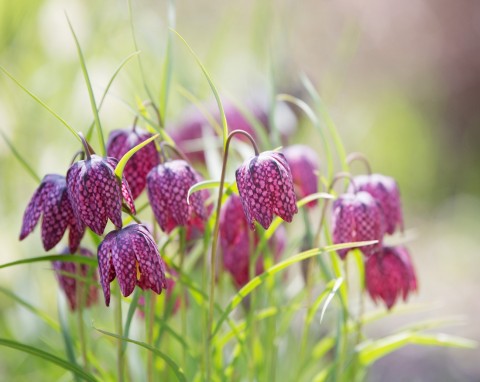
[[118, 322], [183, 292], [213, 258], [151, 320], [80, 295]]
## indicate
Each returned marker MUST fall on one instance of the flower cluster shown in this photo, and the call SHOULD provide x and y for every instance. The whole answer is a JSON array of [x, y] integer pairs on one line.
[[368, 211]]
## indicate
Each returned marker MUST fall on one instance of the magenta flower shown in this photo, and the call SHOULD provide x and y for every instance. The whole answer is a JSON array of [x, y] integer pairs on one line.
[[131, 255], [96, 194], [390, 274], [385, 190], [266, 187], [357, 217], [167, 189], [235, 242], [303, 162], [138, 166], [51, 200], [69, 284]]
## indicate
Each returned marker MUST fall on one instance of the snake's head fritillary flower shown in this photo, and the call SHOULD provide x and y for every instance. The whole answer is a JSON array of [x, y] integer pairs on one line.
[[66, 272], [303, 162], [357, 217], [238, 243], [167, 189], [385, 190], [51, 200], [131, 255], [96, 194], [389, 274], [123, 140], [266, 188]]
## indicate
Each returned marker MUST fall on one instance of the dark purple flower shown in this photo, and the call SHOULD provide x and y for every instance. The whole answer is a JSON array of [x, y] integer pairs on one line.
[[303, 162], [389, 274], [69, 284], [96, 194], [51, 200], [385, 190], [357, 217], [167, 189], [235, 242], [266, 187], [138, 166], [131, 255]]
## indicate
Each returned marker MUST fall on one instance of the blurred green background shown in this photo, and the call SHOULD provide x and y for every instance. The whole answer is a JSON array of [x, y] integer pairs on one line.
[[400, 79]]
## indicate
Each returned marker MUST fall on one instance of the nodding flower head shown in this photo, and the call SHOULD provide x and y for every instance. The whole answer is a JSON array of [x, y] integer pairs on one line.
[[389, 274], [51, 200], [303, 162], [385, 190], [266, 188], [167, 188], [238, 243], [357, 217], [136, 170], [131, 255], [69, 284], [96, 194]]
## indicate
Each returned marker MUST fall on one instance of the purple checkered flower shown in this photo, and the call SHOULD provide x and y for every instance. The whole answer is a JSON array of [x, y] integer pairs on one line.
[[131, 255], [235, 242], [96, 194], [385, 190], [69, 284], [167, 189], [51, 200], [357, 217], [303, 162], [266, 187], [138, 166], [389, 274]]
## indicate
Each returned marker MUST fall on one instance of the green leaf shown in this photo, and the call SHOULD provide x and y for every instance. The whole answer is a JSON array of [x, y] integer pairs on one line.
[[68, 258], [167, 62], [48, 357], [53, 324], [122, 162], [39, 101], [204, 185], [19, 157], [369, 352], [212, 86], [89, 88], [105, 92], [176, 369], [67, 338], [131, 311], [260, 279]]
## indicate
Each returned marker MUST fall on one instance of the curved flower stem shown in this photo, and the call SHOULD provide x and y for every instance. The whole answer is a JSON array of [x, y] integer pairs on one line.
[[79, 153], [164, 145], [356, 156], [157, 111], [134, 124], [213, 257], [87, 148], [338, 176]]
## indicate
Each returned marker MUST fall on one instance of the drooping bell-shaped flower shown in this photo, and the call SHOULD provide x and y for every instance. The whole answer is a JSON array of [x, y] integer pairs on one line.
[[167, 189], [66, 272], [389, 274], [131, 255], [303, 162], [51, 200], [385, 190], [266, 188], [123, 140], [238, 244], [357, 217], [96, 194]]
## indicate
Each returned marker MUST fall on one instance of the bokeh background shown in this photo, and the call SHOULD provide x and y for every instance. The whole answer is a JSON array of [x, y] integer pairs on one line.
[[400, 79]]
